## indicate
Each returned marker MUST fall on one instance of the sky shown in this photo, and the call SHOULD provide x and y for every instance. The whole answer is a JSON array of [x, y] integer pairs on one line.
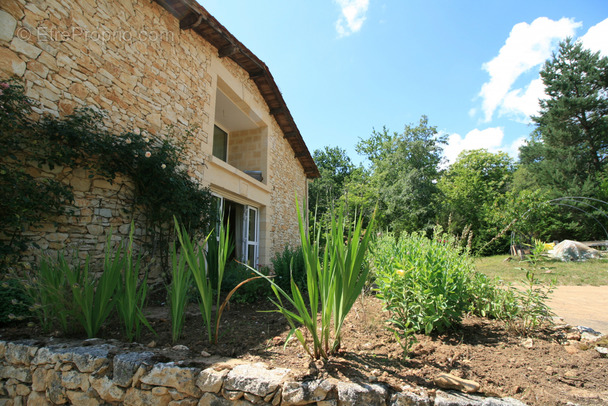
[[347, 67]]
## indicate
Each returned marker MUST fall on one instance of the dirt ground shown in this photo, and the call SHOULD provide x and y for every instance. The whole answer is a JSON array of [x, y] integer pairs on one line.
[[582, 306], [550, 368]]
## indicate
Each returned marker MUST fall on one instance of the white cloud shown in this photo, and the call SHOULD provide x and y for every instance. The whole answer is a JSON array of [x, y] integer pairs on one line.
[[523, 103], [528, 46], [353, 16], [490, 139], [596, 38]]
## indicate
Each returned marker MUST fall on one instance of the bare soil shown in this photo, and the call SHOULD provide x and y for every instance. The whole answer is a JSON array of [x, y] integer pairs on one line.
[[549, 369]]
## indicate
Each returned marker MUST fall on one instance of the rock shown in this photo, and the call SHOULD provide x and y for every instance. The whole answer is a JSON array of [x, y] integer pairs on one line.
[[570, 349], [125, 366], [603, 351], [448, 381], [589, 334], [210, 380], [354, 394], [151, 344], [406, 398], [573, 335], [22, 374], [86, 359], [301, 393], [205, 354], [106, 389], [464, 399], [527, 343], [255, 379], [20, 353], [211, 399], [136, 396], [173, 376], [7, 26], [180, 347], [10, 63]]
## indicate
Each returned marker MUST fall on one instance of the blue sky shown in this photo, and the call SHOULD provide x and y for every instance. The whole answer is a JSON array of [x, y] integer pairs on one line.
[[346, 67]]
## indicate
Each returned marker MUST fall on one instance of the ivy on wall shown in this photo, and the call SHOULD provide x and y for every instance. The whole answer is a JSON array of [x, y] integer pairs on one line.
[[162, 186]]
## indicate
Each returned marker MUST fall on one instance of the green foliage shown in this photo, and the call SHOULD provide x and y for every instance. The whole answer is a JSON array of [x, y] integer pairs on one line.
[[14, 302], [335, 278], [163, 187], [250, 292], [95, 298], [25, 200], [405, 170], [177, 292], [289, 265], [429, 285], [533, 309], [201, 266], [67, 294], [131, 294], [335, 168], [472, 187]]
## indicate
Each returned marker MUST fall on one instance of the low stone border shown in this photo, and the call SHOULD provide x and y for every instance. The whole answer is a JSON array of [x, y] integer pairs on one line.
[[92, 373]]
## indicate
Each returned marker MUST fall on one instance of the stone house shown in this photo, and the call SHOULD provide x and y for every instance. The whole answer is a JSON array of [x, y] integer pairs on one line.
[[154, 64]]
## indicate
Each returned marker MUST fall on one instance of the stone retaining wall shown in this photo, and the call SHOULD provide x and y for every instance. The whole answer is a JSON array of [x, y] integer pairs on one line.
[[92, 372]]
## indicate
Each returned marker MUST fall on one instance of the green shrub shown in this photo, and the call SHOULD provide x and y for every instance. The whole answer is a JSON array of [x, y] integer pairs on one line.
[[288, 265], [14, 302], [250, 292], [430, 284]]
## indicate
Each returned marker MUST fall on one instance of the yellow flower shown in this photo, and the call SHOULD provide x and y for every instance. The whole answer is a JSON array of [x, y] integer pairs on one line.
[[400, 272]]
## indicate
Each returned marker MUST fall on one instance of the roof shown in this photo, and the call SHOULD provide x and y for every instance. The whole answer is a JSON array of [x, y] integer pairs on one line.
[[192, 15]]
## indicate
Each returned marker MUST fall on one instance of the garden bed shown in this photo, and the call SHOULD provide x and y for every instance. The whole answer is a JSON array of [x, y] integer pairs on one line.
[[555, 366]]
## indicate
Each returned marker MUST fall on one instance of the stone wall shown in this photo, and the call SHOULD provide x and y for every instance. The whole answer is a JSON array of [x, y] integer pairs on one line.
[[288, 182], [130, 59], [93, 373]]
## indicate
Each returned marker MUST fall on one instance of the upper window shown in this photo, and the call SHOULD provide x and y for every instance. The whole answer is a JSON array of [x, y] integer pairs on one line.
[[220, 143]]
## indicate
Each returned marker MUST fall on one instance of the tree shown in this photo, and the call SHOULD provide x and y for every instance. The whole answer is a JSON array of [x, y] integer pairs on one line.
[[471, 188], [567, 153], [335, 168], [405, 171]]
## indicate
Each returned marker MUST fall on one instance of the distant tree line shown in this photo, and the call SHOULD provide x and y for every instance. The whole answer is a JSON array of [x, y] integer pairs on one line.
[[555, 191]]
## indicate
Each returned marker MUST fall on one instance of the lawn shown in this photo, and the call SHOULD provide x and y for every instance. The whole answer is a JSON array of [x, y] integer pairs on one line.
[[592, 272]]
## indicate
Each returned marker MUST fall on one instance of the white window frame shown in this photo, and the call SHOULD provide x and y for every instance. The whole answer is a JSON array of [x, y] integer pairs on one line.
[[247, 241]]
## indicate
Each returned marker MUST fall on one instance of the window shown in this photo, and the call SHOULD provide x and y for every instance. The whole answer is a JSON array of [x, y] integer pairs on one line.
[[220, 143], [244, 229]]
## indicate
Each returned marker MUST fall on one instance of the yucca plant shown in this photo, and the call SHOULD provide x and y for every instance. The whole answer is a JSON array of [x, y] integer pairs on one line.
[[334, 280]]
